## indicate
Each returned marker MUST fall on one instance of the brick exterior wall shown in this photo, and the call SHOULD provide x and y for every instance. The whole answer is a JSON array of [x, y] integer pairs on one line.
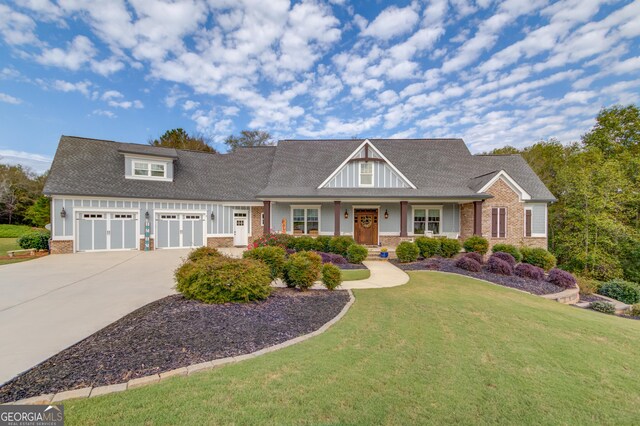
[[504, 196], [217, 242], [151, 246], [61, 246], [257, 230], [466, 220], [392, 241]]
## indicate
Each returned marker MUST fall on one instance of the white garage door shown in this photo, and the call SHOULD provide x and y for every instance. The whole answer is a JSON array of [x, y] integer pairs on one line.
[[175, 230], [106, 231]]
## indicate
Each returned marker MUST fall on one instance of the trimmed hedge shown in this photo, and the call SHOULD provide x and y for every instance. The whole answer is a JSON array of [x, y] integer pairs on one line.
[[506, 257], [322, 243], [407, 252], [508, 248], [524, 270], [357, 253], [302, 269], [538, 257], [624, 291], [429, 247], [499, 266], [449, 247], [38, 240], [476, 243], [274, 257], [202, 253], [340, 245], [469, 264], [475, 256], [604, 307], [223, 280], [331, 276], [561, 278]]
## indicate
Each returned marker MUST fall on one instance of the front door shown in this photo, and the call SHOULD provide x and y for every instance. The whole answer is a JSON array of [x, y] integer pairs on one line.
[[240, 231], [365, 226]]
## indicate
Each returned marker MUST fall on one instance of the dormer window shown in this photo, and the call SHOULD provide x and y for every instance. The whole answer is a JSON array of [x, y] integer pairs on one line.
[[366, 173], [149, 169]]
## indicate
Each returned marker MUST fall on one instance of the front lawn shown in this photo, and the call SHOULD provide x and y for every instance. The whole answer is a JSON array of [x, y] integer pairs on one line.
[[14, 231], [440, 349], [8, 244], [355, 274]]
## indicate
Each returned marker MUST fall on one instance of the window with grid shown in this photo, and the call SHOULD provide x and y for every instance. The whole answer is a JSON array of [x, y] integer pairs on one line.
[[366, 174], [142, 168], [306, 221]]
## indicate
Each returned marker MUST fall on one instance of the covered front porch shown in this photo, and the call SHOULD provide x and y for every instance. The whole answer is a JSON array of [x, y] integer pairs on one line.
[[374, 221]]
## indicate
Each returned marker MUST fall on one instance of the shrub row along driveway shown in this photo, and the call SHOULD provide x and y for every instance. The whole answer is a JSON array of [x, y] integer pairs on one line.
[[51, 303]]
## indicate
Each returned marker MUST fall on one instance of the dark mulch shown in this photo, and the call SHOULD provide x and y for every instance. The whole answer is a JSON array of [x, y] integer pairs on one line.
[[175, 332], [591, 298], [447, 265], [350, 266]]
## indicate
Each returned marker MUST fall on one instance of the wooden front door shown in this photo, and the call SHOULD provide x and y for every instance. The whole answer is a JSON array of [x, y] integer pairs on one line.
[[365, 226]]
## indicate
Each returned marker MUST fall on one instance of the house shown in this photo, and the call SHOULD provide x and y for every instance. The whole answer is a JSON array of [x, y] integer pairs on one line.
[[121, 196]]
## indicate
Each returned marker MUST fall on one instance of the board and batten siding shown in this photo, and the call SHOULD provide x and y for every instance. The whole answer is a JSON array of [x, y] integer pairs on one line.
[[222, 225], [383, 177]]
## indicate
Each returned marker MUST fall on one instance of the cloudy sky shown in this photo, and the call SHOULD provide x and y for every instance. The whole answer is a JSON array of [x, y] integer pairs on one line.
[[492, 72]]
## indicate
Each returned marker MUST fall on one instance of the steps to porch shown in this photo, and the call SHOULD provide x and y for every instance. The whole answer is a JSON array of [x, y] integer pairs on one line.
[[374, 253]]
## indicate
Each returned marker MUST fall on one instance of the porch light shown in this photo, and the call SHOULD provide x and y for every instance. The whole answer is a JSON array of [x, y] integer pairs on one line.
[[386, 214], [213, 216], [346, 214], [63, 213], [146, 215]]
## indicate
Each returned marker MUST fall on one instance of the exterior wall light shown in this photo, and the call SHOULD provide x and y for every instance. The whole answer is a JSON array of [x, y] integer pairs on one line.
[[346, 214], [63, 213], [386, 214], [213, 216], [146, 215]]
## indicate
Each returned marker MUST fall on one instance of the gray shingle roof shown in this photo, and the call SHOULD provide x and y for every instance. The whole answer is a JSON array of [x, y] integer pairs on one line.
[[439, 168]]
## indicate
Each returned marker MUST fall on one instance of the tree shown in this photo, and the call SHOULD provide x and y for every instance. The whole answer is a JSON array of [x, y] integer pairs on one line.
[[19, 188], [179, 139], [248, 138], [617, 130], [38, 214]]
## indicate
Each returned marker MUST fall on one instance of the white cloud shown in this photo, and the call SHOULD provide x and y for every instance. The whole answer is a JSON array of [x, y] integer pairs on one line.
[[189, 105], [78, 52], [36, 162], [9, 99], [104, 113], [16, 28], [392, 22], [66, 86]]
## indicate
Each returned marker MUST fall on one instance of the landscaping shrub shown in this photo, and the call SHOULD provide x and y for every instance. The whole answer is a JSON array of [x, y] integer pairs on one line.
[[469, 264], [634, 310], [538, 257], [302, 269], [407, 252], [304, 243], [357, 253], [475, 256], [588, 285], [273, 239], [449, 247], [336, 259], [322, 243], [331, 276], [274, 257], [476, 243], [340, 245], [508, 248], [604, 307], [499, 266], [506, 257], [222, 280], [429, 247], [38, 240], [561, 278], [524, 270], [624, 291], [203, 252]]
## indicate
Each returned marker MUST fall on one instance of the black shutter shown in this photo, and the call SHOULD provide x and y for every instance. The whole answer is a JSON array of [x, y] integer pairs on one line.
[[494, 222], [527, 223], [503, 222]]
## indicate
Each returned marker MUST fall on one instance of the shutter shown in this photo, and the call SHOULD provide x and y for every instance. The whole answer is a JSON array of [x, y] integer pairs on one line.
[[494, 222], [503, 222], [527, 223]]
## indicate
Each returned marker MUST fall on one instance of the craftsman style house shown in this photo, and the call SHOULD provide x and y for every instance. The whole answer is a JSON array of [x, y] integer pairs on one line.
[[120, 196]]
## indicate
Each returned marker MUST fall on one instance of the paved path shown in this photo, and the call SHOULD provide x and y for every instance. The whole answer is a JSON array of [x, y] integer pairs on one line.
[[48, 304]]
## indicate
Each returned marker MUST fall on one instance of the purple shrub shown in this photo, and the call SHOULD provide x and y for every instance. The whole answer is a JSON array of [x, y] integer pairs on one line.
[[561, 278], [524, 270], [290, 251], [475, 256], [469, 264], [506, 257], [433, 264], [499, 266], [336, 259]]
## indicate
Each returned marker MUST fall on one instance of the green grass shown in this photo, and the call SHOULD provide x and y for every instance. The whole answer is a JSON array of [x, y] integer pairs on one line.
[[14, 231], [441, 349], [7, 244], [355, 274]]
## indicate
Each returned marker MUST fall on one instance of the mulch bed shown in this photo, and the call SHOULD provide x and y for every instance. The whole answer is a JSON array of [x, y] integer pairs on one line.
[[174, 332], [350, 265], [447, 265], [591, 298]]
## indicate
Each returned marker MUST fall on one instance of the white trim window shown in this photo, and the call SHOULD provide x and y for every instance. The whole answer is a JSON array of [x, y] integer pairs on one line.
[[427, 219], [149, 169], [366, 174], [305, 220], [535, 220]]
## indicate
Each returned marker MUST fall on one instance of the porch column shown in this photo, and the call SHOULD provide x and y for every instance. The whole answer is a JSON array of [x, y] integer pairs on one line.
[[403, 218], [477, 218], [337, 206], [267, 217]]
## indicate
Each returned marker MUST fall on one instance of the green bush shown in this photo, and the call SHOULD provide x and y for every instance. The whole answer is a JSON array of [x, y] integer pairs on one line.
[[604, 307], [407, 252], [322, 243], [302, 269], [624, 291], [304, 243], [538, 257], [273, 239], [35, 240], [508, 248], [274, 257], [588, 285], [476, 243], [357, 253], [429, 247], [223, 280], [340, 245], [449, 247], [634, 310], [203, 252], [331, 276]]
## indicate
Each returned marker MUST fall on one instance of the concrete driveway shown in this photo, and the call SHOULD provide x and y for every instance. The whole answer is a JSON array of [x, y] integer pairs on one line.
[[48, 304]]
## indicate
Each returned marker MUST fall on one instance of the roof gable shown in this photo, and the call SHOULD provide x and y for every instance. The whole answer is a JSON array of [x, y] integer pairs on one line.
[[385, 174]]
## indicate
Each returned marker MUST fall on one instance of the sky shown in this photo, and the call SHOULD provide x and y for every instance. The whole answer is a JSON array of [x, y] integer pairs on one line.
[[495, 73]]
